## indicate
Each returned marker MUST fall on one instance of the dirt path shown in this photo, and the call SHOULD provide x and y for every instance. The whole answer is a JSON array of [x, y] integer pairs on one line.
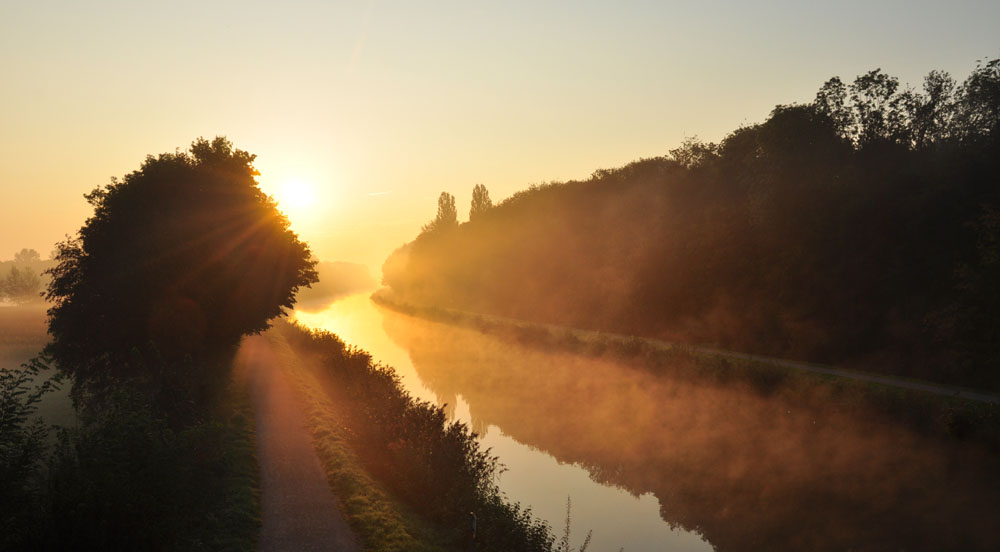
[[298, 511]]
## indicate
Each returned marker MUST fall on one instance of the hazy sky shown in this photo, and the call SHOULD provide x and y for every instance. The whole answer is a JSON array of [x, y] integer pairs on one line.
[[379, 106]]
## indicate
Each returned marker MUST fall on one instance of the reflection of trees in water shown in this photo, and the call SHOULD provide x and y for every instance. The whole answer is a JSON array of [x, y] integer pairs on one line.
[[447, 395], [747, 472]]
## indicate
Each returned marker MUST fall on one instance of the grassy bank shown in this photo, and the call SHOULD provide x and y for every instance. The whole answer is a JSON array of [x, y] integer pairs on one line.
[[408, 479], [941, 416]]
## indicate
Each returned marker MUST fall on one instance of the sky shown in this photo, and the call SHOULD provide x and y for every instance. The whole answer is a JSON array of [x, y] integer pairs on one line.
[[373, 108]]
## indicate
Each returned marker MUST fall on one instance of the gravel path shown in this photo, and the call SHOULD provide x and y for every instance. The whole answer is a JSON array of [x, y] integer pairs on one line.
[[298, 510]]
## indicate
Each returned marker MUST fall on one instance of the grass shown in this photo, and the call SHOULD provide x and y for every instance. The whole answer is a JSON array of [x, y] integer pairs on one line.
[[22, 333], [383, 523]]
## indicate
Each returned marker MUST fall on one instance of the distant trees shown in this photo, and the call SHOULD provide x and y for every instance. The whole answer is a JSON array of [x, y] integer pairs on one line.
[[27, 256], [481, 202], [180, 259], [21, 282], [447, 215], [860, 226], [21, 285]]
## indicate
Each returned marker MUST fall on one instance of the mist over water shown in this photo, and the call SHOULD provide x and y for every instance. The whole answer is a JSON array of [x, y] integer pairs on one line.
[[653, 463], [533, 477]]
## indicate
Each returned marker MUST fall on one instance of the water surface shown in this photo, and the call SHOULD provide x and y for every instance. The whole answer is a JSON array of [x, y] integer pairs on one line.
[[656, 463]]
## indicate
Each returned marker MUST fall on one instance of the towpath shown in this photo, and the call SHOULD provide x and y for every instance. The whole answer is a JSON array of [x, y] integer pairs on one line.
[[298, 510]]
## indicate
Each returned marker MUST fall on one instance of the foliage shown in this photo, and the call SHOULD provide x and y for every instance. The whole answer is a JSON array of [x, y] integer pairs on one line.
[[447, 215], [126, 481], [22, 448], [481, 202], [564, 545], [27, 256], [185, 253], [853, 229], [380, 521], [435, 467], [21, 285]]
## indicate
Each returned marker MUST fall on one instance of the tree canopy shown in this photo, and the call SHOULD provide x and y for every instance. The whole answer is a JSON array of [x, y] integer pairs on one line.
[[184, 255]]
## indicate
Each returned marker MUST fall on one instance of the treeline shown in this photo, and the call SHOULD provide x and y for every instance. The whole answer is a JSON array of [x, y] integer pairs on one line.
[[861, 228], [180, 259]]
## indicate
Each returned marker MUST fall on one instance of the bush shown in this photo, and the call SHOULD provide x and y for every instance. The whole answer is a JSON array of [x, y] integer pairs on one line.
[[22, 450]]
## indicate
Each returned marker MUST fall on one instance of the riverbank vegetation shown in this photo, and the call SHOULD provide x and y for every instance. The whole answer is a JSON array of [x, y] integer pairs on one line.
[[381, 522], [435, 469], [860, 229]]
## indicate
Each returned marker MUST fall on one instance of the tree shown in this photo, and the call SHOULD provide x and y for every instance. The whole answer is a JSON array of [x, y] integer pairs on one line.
[[881, 116], [447, 215], [481, 201], [931, 113], [181, 257], [694, 153], [978, 102], [831, 100], [21, 285], [26, 256]]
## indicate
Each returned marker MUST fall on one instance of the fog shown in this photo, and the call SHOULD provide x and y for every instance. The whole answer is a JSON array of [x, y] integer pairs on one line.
[[744, 471]]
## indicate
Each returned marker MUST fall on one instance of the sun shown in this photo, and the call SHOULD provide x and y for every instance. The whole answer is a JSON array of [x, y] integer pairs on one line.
[[295, 196]]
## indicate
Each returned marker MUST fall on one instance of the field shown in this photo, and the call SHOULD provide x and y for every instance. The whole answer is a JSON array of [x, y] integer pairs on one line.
[[22, 336]]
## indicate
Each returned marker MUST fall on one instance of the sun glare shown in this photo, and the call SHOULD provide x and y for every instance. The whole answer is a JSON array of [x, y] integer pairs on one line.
[[295, 195]]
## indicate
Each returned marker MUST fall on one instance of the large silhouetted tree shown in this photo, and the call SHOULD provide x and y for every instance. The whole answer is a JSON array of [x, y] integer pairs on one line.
[[181, 257]]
